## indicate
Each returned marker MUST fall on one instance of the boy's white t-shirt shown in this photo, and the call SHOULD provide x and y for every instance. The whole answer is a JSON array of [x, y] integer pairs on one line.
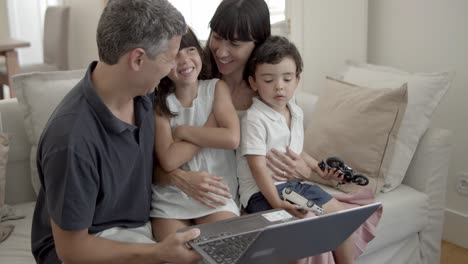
[[262, 129]]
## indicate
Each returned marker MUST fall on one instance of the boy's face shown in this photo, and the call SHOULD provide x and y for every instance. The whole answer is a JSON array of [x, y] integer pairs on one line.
[[275, 83]]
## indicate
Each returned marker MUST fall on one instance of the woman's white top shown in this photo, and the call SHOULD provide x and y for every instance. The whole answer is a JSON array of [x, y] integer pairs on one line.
[[170, 201]]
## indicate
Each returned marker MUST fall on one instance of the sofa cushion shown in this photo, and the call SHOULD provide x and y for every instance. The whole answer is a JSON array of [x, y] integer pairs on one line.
[[358, 125], [405, 213], [4, 147], [425, 90], [38, 94], [17, 248]]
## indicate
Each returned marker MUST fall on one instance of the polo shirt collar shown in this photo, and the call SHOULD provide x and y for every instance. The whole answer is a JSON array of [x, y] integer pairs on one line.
[[108, 119], [272, 114]]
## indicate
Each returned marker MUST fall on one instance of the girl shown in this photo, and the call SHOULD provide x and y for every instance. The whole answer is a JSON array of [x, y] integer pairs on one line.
[[196, 129]]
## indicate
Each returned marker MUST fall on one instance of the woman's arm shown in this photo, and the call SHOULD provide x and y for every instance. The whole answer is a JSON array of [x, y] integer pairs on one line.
[[170, 154], [227, 133], [265, 183], [296, 166], [199, 185]]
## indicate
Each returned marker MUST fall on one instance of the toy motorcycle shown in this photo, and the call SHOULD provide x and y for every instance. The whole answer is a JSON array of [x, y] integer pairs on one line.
[[347, 171]]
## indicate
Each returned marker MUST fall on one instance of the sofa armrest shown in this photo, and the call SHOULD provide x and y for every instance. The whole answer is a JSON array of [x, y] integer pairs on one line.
[[428, 173]]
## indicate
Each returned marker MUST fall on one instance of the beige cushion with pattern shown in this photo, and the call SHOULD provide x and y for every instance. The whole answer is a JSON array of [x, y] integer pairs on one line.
[[358, 125]]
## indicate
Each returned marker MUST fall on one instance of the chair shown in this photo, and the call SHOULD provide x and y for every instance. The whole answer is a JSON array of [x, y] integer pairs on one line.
[[55, 44]]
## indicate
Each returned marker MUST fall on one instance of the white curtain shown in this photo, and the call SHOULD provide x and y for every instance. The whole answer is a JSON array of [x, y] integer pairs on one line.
[[26, 22]]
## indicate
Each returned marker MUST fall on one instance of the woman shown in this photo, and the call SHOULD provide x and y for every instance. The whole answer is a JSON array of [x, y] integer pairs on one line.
[[237, 28]]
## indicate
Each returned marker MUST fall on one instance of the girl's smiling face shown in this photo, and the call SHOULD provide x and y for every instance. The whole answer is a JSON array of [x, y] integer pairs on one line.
[[188, 65]]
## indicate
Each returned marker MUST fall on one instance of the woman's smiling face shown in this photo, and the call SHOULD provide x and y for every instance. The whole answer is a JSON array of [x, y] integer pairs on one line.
[[230, 56]]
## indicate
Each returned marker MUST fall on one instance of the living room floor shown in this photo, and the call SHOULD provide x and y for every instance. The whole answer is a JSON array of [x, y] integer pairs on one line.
[[453, 254]]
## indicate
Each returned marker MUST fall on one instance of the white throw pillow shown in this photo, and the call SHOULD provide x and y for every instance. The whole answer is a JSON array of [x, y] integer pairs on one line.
[[425, 91], [38, 95]]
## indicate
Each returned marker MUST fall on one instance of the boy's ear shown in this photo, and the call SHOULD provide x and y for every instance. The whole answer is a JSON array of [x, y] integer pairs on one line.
[[253, 83], [136, 58]]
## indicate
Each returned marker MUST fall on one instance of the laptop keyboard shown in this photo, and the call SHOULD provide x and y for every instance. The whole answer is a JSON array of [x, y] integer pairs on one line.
[[228, 250]]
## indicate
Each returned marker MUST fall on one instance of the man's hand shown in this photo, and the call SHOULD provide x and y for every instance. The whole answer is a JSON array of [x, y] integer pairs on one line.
[[201, 186], [287, 166], [175, 249]]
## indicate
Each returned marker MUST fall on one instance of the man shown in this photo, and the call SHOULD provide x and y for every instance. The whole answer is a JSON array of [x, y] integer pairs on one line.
[[95, 156]]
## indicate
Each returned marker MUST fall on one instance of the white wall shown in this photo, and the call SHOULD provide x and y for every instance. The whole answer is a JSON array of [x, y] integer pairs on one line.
[[3, 19], [431, 35], [84, 17], [329, 33]]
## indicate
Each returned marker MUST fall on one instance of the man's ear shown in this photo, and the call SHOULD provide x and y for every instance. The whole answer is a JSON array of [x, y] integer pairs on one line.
[[136, 58], [253, 83]]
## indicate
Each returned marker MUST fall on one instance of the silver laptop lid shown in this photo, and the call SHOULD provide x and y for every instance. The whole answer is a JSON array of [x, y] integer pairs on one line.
[[281, 237]]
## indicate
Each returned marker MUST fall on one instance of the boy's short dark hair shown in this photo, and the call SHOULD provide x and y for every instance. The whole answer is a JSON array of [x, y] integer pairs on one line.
[[272, 51]]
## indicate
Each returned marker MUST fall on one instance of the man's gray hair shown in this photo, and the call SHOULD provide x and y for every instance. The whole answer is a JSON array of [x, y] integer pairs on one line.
[[128, 24]]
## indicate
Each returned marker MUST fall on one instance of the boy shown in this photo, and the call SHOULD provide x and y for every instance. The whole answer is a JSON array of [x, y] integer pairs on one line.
[[274, 121]]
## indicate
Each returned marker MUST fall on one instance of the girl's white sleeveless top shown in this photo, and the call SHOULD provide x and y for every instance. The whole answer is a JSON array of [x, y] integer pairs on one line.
[[169, 201]]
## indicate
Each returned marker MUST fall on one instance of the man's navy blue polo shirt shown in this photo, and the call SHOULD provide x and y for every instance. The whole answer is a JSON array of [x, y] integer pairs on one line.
[[95, 170]]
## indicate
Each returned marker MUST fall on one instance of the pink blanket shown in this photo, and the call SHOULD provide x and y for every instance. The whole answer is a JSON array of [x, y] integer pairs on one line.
[[364, 234]]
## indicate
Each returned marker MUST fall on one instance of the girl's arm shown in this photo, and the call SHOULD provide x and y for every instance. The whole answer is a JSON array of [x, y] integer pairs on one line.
[[226, 134], [265, 183], [171, 154]]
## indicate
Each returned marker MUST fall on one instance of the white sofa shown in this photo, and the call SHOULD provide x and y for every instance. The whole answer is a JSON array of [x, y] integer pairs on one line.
[[409, 231]]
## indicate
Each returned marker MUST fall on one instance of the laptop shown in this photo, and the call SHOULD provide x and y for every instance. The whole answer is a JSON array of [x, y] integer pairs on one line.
[[275, 236]]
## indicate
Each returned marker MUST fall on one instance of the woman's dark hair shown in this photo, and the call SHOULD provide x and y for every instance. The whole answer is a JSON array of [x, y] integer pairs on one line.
[[166, 86], [243, 20], [273, 51]]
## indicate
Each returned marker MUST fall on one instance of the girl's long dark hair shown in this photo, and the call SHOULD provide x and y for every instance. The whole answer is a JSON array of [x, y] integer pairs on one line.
[[166, 86]]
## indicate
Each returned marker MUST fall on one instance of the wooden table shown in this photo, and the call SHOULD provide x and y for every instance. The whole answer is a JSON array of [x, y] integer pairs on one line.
[[8, 48]]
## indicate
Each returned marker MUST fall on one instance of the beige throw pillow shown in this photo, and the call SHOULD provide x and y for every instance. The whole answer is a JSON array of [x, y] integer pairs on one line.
[[425, 91], [358, 125]]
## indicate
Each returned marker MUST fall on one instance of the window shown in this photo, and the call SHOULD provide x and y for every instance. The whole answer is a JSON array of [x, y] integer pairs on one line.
[[198, 13]]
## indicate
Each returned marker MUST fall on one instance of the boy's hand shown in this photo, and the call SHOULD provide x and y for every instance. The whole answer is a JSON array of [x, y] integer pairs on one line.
[[292, 209]]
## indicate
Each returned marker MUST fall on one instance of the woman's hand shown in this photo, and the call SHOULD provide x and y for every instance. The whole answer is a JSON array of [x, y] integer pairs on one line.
[[288, 166], [201, 186]]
